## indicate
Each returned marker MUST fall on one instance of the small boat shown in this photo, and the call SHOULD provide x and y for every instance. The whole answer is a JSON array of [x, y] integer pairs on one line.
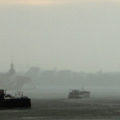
[[17, 101], [79, 94]]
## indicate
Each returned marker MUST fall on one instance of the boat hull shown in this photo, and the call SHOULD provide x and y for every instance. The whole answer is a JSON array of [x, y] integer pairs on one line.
[[15, 103], [74, 96], [79, 94]]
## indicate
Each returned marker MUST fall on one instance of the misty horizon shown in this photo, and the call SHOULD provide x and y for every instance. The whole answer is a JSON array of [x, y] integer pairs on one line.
[[28, 67]]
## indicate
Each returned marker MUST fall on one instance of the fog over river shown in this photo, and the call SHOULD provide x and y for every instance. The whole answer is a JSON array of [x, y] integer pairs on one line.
[[50, 92]]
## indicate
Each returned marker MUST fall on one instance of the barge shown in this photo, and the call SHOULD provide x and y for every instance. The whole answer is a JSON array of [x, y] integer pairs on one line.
[[17, 101]]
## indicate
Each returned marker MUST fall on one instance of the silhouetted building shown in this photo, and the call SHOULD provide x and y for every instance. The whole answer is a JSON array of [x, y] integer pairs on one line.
[[11, 80], [12, 70]]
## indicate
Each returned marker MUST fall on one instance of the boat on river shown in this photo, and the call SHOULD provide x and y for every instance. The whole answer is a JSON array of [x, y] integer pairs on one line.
[[79, 94], [17, 101]]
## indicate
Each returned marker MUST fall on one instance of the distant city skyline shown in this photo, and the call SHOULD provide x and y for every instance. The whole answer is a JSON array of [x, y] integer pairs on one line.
[[25, 68]]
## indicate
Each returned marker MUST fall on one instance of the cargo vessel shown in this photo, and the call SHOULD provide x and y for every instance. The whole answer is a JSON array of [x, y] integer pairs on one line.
[[17, 101], [79, 94]]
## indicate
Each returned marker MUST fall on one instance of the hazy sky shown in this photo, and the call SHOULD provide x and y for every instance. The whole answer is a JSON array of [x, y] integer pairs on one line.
[[62, 34], [52, 2]]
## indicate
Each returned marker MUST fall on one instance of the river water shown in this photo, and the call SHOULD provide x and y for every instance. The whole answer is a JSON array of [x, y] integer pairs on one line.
[[53, 104]]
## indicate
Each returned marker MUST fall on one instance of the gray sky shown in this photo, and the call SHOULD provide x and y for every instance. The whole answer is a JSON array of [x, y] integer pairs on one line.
[[75, 35]]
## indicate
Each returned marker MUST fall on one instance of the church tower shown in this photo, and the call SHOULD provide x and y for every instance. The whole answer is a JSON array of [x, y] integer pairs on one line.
[[12, 70]]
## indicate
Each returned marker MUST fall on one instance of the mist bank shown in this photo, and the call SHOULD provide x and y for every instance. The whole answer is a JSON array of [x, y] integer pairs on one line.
[[71, 78], [55, 92]]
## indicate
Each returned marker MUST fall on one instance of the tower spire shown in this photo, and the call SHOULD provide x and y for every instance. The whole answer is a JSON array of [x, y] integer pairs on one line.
[[12, 70], [11, 62]]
